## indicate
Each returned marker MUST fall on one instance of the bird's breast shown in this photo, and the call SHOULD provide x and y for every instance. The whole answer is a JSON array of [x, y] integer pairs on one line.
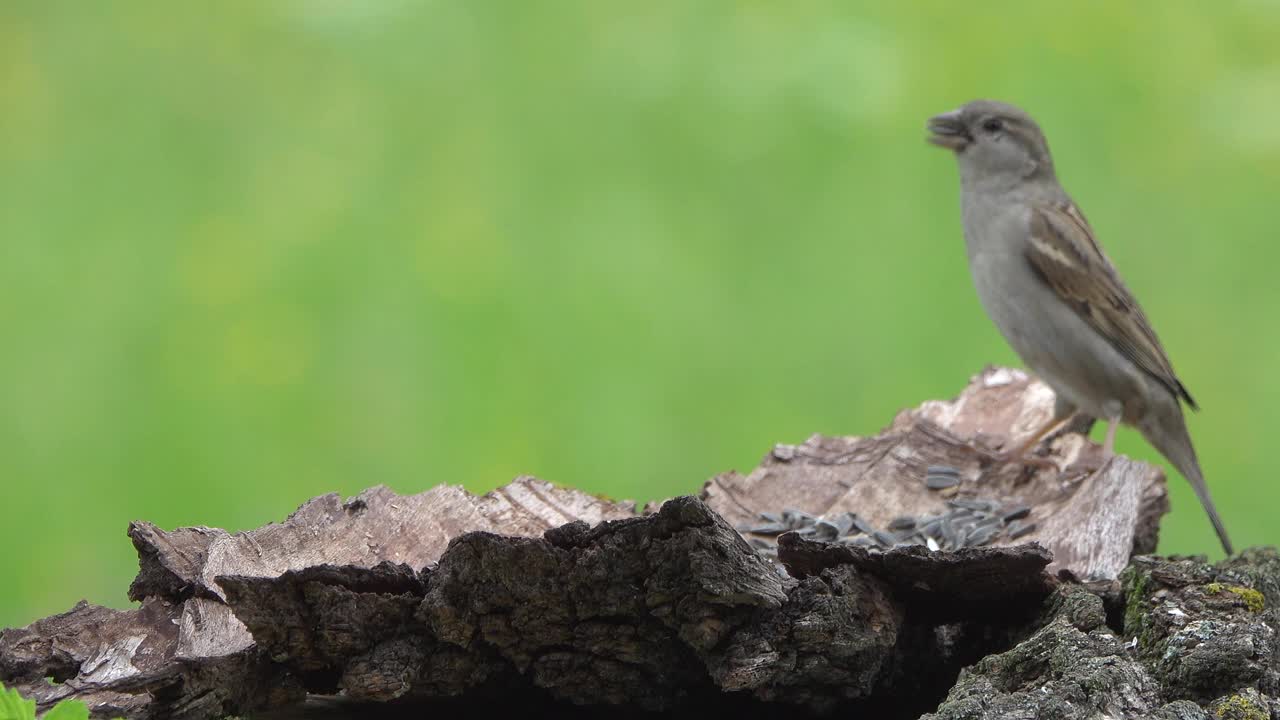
[[1050, 337]]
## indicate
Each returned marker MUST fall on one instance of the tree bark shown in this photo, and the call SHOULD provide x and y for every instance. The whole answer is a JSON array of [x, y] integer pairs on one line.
[[534, 596]]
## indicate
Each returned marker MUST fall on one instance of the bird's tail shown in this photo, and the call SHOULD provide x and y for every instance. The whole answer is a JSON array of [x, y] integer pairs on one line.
[[1169, 436]]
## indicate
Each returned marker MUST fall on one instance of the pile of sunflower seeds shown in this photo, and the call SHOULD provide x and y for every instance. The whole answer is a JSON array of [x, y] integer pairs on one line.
[[967, 522]]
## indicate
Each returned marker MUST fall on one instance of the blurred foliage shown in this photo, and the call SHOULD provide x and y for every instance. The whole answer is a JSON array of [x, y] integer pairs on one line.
[[255, 251], [15, 707]]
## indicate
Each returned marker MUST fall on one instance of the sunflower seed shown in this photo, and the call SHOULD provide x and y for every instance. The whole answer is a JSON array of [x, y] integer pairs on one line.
[[902, 522], [1017, 513], [942, 470], [941, 482], [884, 538], [843, 523], [797, 518], [980, 536], [1020, 529], [769, 529], [863, 526], [978, 505], [989, 522], [825, 530], [948, 531]]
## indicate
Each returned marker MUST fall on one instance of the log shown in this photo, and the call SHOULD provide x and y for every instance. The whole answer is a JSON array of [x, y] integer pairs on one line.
[[185, 653], [763, 591]]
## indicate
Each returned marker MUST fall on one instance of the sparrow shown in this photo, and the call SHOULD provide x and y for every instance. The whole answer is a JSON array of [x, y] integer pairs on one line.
[[1045, 282]]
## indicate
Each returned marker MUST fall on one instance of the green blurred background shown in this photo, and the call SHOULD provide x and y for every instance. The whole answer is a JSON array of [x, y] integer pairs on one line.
[[257, 251]]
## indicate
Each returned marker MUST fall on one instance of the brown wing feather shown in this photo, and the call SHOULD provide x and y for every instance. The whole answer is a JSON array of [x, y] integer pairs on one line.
[[1067, 256]]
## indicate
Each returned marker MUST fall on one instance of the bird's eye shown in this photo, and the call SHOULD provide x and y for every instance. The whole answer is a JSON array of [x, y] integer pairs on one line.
[[992, 125]]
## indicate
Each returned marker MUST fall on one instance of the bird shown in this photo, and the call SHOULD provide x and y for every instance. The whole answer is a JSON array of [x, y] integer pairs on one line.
[[1059, 302]]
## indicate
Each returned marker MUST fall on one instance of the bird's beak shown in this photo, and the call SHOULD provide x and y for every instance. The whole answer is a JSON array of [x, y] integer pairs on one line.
[[949, 131]]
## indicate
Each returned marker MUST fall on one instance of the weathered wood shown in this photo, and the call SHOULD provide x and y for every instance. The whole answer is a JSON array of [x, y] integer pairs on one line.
[[1090, 522], [373, 527], [948, 586], [163, 659], [183, 653], [613, 614]]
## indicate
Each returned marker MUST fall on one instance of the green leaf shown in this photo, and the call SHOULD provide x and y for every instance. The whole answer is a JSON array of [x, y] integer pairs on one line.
[[14, 707], [68, 710]]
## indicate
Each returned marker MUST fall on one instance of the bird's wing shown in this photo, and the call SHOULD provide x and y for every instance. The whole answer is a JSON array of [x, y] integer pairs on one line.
[[1067, 257]]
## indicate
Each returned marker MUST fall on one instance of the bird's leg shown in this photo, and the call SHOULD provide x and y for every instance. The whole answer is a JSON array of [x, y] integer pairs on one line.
[[1109, 446], [1114, 411]]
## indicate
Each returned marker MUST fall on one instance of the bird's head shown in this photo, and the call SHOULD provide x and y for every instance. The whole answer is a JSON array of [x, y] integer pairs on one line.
[[993, 139]]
